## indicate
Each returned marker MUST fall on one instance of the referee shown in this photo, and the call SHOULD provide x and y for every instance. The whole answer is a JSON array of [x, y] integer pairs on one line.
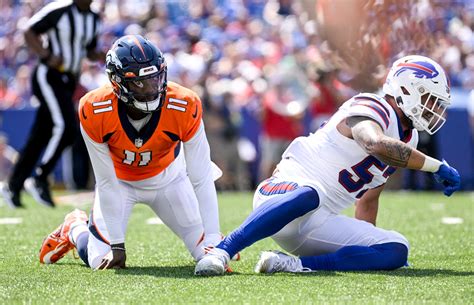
[[61, 34]]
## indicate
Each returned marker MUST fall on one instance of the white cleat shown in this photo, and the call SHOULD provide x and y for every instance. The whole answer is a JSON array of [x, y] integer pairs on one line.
[[213, 263], [276, 261]]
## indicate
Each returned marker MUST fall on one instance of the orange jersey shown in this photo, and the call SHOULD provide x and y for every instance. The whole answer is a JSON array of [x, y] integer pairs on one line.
[[144, 154]]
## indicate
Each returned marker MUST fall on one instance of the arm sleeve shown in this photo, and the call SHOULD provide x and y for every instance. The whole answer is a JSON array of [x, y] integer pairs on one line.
[[107, 188], [199, 167]]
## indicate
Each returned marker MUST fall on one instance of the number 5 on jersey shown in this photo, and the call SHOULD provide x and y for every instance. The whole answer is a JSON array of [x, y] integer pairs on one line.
[[130, 157]]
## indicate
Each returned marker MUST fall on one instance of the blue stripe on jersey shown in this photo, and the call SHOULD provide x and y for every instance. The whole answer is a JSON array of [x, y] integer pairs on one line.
[[375, 107], [283, 187], [375, 101]]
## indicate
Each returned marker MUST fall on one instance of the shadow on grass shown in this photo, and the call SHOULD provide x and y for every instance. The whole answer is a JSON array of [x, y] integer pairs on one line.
[[408, 272], [188, 272], [157, 271], [399, 272]]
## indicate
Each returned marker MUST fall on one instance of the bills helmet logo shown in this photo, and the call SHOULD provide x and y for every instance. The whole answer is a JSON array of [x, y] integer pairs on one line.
[[421, 69]]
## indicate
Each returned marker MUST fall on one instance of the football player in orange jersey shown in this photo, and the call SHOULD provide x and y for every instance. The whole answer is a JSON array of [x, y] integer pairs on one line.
[[147, 143]]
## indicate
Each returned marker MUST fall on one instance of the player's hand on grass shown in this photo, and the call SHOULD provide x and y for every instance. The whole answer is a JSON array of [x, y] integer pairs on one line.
[[115, 258], [449, 177]]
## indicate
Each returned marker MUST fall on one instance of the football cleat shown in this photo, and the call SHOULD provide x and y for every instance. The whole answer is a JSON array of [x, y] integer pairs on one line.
[[213, 263], [276, 261], [39, 190], [12, 199], [57, 244]]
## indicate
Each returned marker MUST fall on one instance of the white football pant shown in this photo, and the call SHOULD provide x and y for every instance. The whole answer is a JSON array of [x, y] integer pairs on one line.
[[323, 231]]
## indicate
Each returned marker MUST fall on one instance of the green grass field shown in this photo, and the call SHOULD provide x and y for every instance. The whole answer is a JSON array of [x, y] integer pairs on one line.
[[161, 271]]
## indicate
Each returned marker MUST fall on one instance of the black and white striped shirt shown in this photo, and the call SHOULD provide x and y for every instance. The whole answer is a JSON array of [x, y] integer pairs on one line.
[[70, 33]]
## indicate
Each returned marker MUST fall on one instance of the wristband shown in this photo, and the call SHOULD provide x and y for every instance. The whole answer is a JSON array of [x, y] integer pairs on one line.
[[431, 165], [118, 247]]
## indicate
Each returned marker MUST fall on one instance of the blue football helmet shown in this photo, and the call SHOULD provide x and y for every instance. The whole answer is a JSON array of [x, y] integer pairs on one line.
[[137, 71]]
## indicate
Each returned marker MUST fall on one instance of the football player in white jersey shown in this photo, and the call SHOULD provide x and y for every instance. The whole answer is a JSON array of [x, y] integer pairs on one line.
[[347, 160]]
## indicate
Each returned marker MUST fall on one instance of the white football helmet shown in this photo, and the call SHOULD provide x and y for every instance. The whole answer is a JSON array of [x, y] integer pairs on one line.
[[421, 89]]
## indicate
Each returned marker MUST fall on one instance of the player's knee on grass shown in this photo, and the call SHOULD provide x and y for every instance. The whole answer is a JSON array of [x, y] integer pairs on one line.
[[395, 255], [395, 249], [394, 236]]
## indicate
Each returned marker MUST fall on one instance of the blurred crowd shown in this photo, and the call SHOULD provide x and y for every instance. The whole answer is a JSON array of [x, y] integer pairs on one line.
[[279, 66]]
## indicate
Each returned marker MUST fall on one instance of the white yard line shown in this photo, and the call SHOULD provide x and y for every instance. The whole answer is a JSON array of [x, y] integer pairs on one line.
[[452, 220], [11, 220]]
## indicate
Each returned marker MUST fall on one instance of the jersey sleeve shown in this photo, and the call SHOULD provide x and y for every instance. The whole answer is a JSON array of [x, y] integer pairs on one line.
[[370, 107], [194, 118], [92, 45], [86, 118], [45, 18]]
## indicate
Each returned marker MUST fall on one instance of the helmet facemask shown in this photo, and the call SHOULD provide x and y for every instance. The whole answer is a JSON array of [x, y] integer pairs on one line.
[[420, 88], [429, 114], [145, 93]]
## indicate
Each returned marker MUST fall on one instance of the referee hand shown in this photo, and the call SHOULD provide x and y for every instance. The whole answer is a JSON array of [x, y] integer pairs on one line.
[[55, 62]]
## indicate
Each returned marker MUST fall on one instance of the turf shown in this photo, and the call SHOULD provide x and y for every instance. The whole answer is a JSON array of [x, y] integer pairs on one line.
[[161, 271]]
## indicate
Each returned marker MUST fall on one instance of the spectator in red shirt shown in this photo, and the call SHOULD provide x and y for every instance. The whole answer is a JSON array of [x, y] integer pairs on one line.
[[280, 125]]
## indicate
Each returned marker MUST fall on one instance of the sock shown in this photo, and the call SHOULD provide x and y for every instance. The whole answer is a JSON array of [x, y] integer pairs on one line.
[[270, 217], [81, 246], [77, 228], [388, 256]]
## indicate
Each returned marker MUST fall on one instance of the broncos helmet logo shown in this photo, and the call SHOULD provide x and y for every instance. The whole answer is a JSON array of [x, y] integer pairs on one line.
[[113, 58], [421, 69]]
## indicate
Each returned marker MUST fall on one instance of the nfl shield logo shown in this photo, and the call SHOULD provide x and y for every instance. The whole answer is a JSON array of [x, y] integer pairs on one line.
[[138, 143]]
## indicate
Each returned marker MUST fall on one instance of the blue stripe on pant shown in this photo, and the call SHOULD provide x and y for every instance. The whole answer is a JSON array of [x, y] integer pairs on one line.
[[270, 217], [387, 256]]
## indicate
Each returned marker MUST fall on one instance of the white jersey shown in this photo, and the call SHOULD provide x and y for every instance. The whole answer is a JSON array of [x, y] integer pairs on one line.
[[337, 165]]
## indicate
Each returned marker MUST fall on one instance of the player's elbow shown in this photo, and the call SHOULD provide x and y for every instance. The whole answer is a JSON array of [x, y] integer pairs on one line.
[[198, 179], [29, 36], [105, 184], [372, 146], [369, 141]]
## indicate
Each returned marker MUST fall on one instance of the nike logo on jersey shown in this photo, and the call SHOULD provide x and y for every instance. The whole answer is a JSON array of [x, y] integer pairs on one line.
[[83, 114], [195, 112]]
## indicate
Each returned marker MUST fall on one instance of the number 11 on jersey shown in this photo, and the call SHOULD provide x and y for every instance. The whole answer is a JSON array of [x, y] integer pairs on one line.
[[130, 157]]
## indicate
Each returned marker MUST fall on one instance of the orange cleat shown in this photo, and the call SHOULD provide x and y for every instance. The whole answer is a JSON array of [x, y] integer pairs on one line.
[[57, 244]]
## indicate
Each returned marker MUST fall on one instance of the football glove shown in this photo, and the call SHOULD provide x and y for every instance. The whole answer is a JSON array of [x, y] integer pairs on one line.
[[449, 177]]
